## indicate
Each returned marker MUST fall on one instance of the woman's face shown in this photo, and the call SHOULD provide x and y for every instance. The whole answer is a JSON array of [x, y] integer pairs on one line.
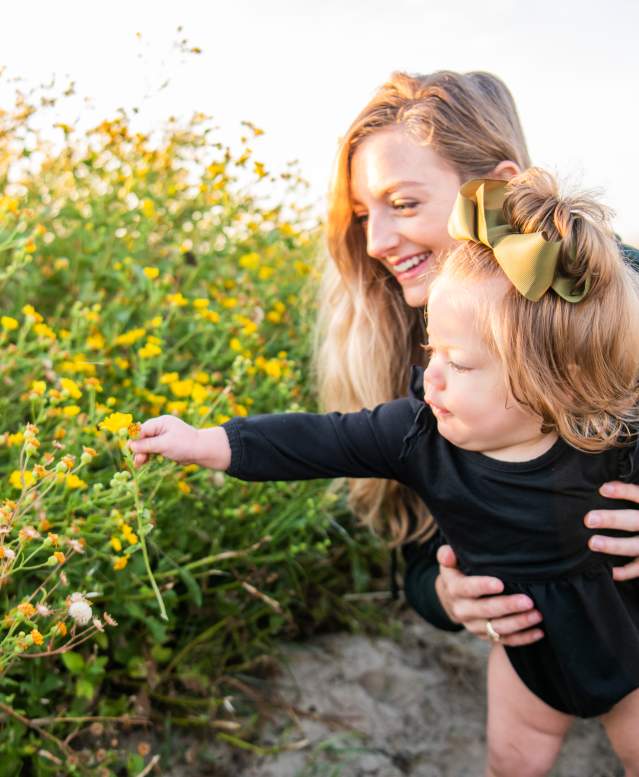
[[402, 193]]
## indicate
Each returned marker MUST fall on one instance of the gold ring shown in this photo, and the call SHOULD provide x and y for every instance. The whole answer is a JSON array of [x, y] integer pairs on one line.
[[493, 635]]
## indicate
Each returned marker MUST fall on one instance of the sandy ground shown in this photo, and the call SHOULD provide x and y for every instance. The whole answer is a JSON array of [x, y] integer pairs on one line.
[[383, 708]]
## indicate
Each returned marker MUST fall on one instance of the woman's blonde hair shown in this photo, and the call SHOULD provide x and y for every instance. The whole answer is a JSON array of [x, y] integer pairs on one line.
[[576, 365], [367, 336]]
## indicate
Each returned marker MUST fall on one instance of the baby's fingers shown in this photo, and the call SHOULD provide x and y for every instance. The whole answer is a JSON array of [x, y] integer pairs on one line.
[[139, 459]]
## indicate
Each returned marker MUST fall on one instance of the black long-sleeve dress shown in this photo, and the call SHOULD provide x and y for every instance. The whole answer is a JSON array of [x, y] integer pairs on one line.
[[519, 521]]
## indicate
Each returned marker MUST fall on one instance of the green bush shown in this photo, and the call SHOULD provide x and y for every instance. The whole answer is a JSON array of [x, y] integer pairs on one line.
[[141, 275]]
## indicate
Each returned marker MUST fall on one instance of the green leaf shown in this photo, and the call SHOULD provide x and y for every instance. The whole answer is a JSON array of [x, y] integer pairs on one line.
[[135, 763], [74, 662], [84, 689], [194, 589], [136, 667], [161, 654]]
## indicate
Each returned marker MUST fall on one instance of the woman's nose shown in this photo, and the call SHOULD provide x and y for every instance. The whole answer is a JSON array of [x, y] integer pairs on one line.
[[381, 237]]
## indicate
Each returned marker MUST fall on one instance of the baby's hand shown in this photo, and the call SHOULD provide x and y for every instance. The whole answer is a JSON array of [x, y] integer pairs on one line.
[[170, 437], [165, 435]]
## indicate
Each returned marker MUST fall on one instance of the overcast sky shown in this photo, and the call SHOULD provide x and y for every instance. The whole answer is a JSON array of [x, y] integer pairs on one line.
[[302, 69]]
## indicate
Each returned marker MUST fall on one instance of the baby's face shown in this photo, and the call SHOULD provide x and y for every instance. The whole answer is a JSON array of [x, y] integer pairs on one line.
[[465, 382]]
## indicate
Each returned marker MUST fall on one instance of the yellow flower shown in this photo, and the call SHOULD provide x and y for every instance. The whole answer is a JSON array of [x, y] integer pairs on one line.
[[20, 479], [74, 482], [200, 303], [179, 300], [229, 302], [123, 364], [130, 536], [61, 629], [169, 377], [116, 544], [151, 272], [155, 322], [95, 342], [199, 393], [182, 388], [148, 207], [211, 315], [130, 337], [273, 368], [15, 439], [93, 384], [38, 387], [37, 638], [59, 557], [116, 421], [71, 387], [30, 312], [177, 408], [265, 272], [71, 410], [201, 377], [27, 609], [250, 261], [235, 344], [185, 488], [120, 562], [8, 323], [149, 350], [45, 331]]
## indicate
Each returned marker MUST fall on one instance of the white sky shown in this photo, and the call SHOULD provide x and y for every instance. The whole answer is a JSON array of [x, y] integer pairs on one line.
[[302, 69]]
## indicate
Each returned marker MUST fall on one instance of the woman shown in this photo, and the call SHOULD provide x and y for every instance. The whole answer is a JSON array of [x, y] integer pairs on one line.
[[397, 173]]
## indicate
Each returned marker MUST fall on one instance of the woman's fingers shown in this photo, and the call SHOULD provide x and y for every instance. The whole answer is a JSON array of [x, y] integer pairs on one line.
[[626, 520], [627, 571], [526, 637], [617, 546], [618, 490], [493, 607]]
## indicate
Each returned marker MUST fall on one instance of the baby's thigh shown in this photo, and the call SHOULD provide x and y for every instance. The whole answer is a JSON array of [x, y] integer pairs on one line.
[[524, 734], [622, 727]]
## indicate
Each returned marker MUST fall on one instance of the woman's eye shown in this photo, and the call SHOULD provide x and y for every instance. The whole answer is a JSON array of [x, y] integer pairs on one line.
[[405, 205], [360, 218]]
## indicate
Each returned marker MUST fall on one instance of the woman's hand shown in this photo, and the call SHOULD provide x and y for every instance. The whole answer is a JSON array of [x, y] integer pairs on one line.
[[625, 520], [473, 600]]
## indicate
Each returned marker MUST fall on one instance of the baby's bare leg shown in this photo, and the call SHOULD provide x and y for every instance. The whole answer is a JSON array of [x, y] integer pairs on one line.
[[524, 733], [622, 727]]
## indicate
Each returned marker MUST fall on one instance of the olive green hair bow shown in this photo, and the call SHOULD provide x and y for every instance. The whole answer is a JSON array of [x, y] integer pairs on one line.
[[529, 260]]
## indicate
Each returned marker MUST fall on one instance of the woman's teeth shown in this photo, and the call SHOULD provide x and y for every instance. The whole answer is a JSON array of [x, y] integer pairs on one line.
[[408, 264]]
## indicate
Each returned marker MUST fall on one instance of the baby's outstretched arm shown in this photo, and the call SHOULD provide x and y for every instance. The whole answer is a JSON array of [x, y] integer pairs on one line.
[[171, 437]]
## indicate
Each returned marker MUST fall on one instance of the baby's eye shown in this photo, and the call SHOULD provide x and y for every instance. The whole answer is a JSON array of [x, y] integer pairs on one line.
[[360, 218], [458, 367]]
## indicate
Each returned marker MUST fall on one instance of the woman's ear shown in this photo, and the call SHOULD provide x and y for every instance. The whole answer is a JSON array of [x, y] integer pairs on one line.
[[505, 170]]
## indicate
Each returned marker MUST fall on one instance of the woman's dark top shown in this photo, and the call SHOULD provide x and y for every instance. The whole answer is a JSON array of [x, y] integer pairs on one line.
[[520, 521]]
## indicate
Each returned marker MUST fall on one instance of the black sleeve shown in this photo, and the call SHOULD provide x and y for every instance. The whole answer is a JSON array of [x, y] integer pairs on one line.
[[305, 446], [419, 582]]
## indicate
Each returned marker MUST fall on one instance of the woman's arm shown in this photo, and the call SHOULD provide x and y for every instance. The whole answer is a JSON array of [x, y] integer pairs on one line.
[[624, 520]]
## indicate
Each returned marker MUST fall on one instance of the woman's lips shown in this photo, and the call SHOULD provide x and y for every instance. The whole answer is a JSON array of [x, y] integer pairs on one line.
[[414, 271]]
